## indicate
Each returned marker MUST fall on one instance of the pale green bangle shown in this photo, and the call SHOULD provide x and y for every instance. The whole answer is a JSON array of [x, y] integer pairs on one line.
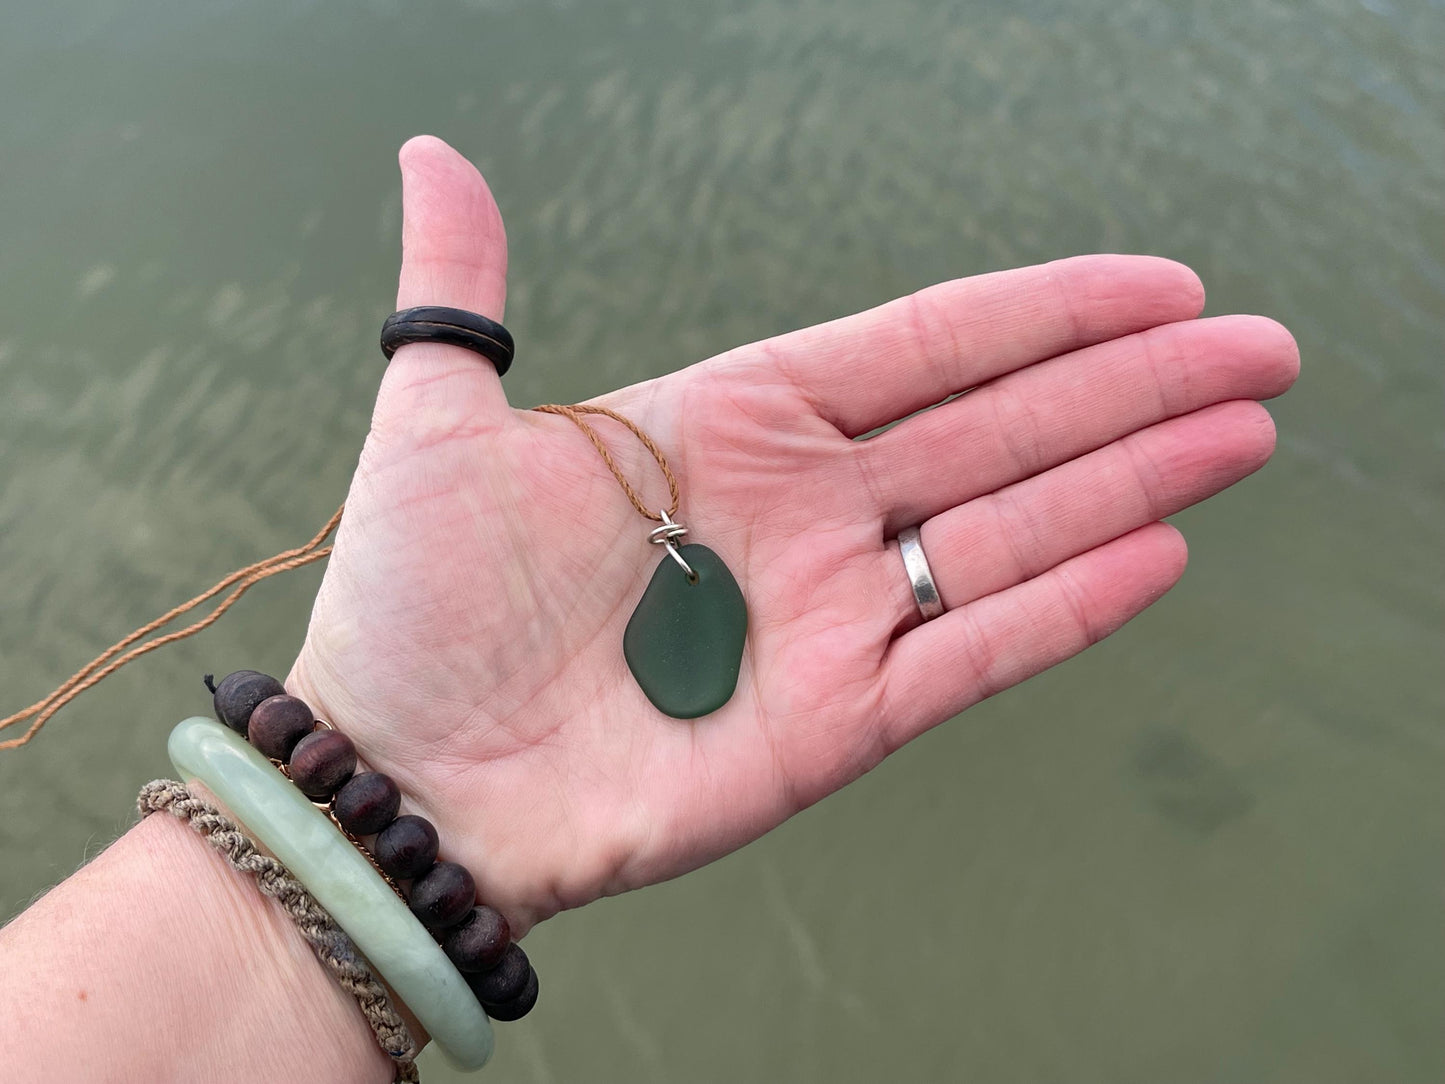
[[342, 880]]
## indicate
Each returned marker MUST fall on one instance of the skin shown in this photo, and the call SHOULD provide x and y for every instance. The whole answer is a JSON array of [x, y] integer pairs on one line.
[[157, 962], [468, 632], [467, 635]]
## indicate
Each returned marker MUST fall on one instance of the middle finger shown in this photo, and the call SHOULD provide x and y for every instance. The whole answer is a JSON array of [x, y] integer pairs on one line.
[[1036, 418]]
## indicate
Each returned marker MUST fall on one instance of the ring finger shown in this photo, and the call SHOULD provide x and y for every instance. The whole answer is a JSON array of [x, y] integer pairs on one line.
[[1004, 538]]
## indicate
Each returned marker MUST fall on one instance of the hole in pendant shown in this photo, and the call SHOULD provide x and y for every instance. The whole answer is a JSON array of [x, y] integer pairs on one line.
[[693, 578]]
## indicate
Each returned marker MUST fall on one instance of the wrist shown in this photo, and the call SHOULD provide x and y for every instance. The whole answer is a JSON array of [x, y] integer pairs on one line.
[[275, 986], [411, 907], [159, 933], [427, 790], [296, 960]]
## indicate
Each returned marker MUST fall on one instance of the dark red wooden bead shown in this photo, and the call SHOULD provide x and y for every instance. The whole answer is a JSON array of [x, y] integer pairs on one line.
[[321, 762], [238, 694], [478, 942], [406, 847], [443, 895], [278, 723], [520, 1005], [367, 803], [503, 982]]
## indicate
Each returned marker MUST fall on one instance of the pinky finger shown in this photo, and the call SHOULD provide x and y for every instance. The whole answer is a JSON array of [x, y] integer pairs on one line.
[[942, 667]]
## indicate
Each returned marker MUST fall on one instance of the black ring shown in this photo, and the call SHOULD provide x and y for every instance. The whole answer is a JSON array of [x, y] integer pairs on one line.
[[456, 327]]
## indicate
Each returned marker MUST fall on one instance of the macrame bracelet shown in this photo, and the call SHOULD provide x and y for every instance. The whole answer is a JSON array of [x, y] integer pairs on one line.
[[333, 948], [441, 894]]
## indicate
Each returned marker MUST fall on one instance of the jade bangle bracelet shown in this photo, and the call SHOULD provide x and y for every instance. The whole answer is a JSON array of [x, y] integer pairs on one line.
[[342, 880]]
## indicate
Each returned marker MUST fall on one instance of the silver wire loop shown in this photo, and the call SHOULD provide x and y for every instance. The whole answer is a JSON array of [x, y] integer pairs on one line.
[[920, 576], [667, 535]]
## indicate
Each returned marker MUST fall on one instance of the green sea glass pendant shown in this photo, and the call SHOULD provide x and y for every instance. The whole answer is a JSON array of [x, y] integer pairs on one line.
[[684, 642]]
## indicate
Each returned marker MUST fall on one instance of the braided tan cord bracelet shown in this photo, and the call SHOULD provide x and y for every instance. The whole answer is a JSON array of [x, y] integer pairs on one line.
[[333, 948]]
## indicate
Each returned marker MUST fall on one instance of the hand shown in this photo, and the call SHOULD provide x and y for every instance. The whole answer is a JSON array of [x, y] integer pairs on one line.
[[468, 633]]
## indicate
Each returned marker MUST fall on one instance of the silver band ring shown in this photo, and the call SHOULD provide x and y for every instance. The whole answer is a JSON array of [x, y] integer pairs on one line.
[[920, 577]]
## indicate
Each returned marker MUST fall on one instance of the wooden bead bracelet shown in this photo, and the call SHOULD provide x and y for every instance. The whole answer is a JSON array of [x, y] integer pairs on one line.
[[441, 894]]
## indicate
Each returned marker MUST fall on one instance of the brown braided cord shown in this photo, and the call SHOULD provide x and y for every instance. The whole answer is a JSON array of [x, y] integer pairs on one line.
[[106, 663], [96, 669], [574, 414], [333, 948]]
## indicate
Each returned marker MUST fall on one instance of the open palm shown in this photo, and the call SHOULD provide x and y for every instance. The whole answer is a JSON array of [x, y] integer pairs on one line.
[[468, 633]]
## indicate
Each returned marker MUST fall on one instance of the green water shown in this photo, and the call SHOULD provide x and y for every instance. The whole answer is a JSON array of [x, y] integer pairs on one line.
[[1208, 850]]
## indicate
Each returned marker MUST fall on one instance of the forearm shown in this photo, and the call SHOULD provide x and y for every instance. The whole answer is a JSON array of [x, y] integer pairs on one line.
[[157, 961]]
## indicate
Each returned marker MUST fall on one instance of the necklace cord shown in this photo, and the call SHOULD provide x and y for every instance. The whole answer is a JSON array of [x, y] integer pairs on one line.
[[107, 662], [242, 579], [574, 415]]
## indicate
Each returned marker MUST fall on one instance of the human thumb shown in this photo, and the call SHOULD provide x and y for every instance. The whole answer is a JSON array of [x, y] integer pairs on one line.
[[454, 252]]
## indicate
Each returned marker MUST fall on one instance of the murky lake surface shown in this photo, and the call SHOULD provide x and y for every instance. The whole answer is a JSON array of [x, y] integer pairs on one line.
[[1208, 850]]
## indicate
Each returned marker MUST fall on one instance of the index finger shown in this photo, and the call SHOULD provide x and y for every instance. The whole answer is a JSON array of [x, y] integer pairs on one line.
[[872, 368]]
